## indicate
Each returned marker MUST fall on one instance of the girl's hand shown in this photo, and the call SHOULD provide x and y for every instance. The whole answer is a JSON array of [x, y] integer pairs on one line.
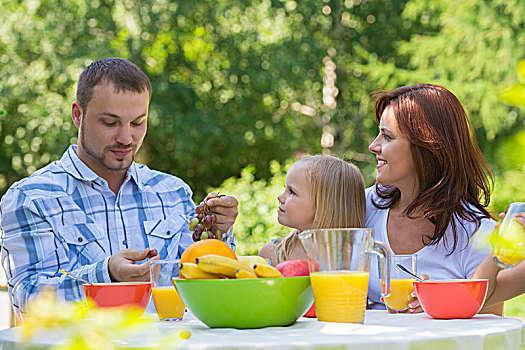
[[414, 305]]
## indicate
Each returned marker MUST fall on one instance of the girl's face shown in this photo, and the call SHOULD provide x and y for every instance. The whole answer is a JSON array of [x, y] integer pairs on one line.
[[394, 157], [296, 206]]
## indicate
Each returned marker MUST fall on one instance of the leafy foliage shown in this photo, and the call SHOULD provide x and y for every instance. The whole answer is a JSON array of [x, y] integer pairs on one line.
[[509, 155], [230, 81], [472, 54], [241, 84], [472, 47], [515, 95]]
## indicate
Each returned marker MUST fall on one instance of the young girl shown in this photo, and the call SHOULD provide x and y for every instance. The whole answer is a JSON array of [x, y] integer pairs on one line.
[[503, 285], [320, 192]]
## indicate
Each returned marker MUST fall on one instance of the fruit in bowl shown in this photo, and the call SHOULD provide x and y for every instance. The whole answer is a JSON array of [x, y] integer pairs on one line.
[[247, 292], [214, 259], [117, 294], [206, 247], [452, 298], [246, 303]]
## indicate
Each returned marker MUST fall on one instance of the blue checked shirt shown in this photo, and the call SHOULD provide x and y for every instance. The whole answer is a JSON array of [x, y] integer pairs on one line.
[[64, 216]]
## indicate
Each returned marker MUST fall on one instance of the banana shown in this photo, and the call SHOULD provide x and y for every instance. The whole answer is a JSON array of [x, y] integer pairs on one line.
[[266, 271], [249, 260], [242, 273], [246, 262], [191, 271], [246, 266], [219, 265]]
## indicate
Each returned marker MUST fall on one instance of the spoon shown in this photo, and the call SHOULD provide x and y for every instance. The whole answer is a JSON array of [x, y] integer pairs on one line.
[[73, 276], [402, 268]]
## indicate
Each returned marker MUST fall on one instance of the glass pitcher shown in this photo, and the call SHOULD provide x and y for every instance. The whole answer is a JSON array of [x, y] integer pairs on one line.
[[339, 261]]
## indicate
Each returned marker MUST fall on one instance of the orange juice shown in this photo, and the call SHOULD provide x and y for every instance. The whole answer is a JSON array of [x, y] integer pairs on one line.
[[168, 302], [340, 296], [509, 244], [400, 293]]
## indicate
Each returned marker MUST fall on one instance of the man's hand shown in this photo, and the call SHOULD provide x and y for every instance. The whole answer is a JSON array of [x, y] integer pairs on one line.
[[224, 208], [123, 265]]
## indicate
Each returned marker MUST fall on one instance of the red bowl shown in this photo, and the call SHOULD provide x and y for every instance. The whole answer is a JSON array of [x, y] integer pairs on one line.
[[451, 298], [119, 294]]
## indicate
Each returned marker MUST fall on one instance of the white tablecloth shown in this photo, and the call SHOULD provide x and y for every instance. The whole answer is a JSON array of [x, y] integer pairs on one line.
[[380, 331]]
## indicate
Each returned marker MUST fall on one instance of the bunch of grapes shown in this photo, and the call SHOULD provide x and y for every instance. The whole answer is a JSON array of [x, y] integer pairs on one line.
[[203, 226]]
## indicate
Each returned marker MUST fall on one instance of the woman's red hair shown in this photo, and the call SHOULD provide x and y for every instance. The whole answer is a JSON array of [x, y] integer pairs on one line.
[[455, 179]]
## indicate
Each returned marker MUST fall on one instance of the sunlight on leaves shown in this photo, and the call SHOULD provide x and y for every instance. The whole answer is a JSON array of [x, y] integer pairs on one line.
[[515, 95]]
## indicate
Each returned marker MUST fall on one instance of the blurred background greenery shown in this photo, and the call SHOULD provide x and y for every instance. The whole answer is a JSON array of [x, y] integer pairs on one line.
[[243, 88]]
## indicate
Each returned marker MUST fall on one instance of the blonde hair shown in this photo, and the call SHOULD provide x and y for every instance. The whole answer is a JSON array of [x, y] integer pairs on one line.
[[337, 189]]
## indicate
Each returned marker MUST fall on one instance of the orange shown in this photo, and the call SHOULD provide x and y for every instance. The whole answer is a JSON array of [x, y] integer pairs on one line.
[[205, 247]]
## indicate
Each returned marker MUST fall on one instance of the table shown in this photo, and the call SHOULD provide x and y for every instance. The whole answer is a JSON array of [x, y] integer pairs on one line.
[[380, 331]]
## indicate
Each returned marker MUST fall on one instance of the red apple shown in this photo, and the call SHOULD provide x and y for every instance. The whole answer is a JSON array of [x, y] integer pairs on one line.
[[291, 268], [310, 312]]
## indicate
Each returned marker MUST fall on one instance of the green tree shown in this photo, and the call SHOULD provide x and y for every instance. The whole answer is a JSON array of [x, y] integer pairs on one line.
[[234, 83], [470, 47], [40, 64], [263, 80], [510, 156], [244, 83], [473, 51]]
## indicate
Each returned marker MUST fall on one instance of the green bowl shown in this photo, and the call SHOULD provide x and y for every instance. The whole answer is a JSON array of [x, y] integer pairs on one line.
[[247, 303]]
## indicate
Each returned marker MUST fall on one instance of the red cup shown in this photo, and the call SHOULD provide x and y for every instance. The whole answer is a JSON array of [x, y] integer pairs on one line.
[[119, 294], [451, 298]]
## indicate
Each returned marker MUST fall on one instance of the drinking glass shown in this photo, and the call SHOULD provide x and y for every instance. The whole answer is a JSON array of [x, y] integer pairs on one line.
[[401, 284], [339, 262], [509, 242], [168, 303]]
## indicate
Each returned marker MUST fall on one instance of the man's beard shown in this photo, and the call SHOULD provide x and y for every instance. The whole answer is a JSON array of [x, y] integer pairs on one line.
[[101, 159]]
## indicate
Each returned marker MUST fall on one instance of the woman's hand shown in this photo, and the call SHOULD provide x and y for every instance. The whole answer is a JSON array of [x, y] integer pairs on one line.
[[521, 218], [414, 306]]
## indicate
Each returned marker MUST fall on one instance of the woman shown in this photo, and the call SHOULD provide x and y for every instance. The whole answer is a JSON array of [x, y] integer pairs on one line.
[[432, 185]]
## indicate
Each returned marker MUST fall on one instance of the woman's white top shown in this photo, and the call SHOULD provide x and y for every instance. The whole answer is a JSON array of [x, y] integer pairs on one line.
[[433, 260]]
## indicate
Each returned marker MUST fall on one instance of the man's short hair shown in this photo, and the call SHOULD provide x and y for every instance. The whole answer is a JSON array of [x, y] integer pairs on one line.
[[122, 73]]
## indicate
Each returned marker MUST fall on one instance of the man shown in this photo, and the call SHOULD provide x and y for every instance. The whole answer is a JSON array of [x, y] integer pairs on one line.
[[95, 212]]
